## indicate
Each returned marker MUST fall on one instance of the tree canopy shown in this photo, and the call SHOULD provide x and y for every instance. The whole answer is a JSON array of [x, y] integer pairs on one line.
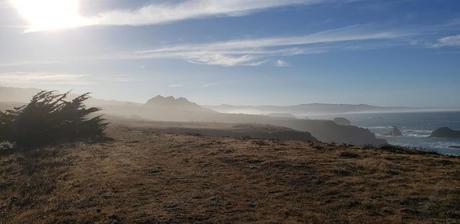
[[50, 119]]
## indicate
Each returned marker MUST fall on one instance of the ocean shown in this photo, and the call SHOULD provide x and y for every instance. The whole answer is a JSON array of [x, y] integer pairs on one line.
[[416, 127]]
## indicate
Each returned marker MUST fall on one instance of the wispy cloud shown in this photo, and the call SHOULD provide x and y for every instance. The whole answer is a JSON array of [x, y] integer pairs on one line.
[[450, 41], [163, 13], [252, 52], [281, 63], [210, 84], [49, 78], [26, 78], [151, 14], [175, 85], [23, 63]]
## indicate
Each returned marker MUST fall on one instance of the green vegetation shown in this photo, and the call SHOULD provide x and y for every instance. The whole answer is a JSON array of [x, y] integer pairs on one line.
[[51, 119]]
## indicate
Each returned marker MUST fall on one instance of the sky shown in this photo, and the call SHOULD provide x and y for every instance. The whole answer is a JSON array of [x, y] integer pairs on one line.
[[244, 52]]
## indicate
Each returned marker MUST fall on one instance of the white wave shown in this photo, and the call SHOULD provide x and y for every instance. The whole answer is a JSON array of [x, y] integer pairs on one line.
[[380, 127], [417, 133]]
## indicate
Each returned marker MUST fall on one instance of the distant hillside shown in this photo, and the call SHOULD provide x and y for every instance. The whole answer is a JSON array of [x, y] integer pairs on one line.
[[171, 103], [258, 131], [304, 109], [323, 130]]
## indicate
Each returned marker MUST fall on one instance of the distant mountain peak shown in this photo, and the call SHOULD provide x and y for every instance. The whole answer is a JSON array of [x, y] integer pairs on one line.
[[170, 102]]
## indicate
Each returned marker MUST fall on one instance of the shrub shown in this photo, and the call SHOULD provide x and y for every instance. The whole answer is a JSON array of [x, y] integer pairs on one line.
[[50, 119]]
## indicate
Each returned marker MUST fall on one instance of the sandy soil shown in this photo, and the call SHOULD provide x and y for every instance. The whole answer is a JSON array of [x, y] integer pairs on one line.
[[148, 176]]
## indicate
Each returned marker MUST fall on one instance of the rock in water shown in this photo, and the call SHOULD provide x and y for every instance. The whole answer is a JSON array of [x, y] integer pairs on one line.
[[395, 132], [445, 133]]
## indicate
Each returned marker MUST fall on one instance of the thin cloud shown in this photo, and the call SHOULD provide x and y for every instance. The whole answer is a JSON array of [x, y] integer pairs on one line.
[[23, 63], [210, 84], [253, 52], [21, 78], [164, 13], [281, 63], [49, 78], [450, 41], [159, 13], [175, 85]]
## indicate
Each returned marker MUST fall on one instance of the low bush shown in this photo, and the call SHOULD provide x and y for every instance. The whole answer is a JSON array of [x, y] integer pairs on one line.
[[51, 119]]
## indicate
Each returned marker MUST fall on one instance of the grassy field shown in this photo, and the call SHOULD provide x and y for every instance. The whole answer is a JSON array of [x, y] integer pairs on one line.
[[149, 176]]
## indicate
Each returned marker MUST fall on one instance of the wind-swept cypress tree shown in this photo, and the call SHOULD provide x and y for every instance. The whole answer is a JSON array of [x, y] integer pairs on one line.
[[49, 119]]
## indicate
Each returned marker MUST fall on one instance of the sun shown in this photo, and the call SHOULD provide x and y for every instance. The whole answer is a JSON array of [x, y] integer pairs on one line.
[[42, 15]]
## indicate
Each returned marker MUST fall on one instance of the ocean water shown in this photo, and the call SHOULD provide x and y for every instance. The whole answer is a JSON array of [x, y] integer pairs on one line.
[[416, 127]]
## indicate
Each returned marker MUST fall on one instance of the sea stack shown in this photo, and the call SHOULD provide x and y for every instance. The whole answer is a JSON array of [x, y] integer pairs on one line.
[[395, 132]]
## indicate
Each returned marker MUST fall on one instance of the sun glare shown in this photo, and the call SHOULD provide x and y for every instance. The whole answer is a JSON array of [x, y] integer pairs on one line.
[[42, 15]]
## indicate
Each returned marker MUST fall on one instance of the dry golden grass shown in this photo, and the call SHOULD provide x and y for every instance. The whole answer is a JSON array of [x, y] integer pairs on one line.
[[152, 177]]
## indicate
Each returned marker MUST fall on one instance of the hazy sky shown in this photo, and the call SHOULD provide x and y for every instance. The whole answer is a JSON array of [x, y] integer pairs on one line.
[[383, 52]]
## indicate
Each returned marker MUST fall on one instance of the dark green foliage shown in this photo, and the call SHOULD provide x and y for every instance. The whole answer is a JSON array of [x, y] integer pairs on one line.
[[49, 119]]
